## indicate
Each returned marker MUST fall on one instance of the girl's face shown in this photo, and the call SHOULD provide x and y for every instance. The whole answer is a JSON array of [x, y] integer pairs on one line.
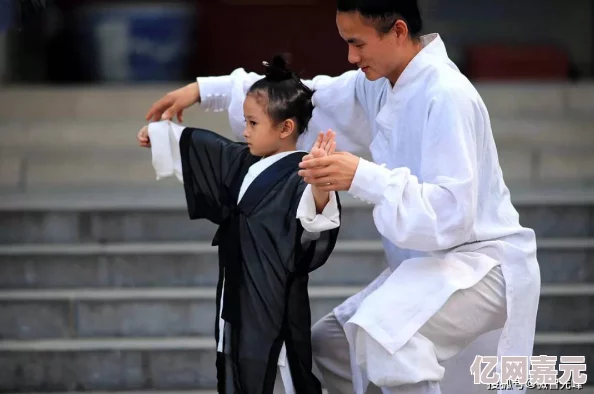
[[263, 136]]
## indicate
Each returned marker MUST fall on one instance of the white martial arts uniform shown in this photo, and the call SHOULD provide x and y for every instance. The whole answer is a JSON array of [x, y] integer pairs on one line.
[[441, 206], [165, 136]]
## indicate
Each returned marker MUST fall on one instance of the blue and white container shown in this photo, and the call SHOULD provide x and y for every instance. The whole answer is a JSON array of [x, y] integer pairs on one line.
[[136, 42], [7, 12]]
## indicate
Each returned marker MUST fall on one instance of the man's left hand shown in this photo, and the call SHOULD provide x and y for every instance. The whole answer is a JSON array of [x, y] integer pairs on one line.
[[330, 173]]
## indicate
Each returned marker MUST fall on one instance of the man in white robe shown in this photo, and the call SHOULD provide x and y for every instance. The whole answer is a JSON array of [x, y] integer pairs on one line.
[[463, 279]]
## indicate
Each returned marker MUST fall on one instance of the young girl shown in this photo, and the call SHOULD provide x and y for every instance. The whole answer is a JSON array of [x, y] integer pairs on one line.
[[273, 230]]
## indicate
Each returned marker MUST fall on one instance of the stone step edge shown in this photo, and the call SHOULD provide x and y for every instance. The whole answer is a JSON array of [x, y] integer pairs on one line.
[[190, 247], [205, 343], [142, 198], [209, 293], [584, 390], [153, 294], [150, 391], [153, 392]]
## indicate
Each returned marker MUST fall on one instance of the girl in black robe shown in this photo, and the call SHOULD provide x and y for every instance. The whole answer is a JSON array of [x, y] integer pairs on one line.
[[253, 192]]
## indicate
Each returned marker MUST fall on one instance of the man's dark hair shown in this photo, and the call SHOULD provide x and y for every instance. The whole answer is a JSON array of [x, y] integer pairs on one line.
[[385, 13]]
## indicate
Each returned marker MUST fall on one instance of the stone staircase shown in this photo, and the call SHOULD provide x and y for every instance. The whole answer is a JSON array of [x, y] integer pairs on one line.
[[108, 296], [105, 285], [84, 137]]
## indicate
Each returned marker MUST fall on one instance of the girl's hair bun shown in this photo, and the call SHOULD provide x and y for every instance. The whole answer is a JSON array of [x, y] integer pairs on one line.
[[277, 69]]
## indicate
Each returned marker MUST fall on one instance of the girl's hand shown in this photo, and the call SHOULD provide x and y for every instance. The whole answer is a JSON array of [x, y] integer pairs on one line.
[[324, 146], [143, 138]]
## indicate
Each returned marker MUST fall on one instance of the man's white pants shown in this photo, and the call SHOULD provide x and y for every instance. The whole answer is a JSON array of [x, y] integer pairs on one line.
[[466, 315]]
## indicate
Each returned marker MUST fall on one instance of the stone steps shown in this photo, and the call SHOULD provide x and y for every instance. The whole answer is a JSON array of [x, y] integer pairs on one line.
[[544, 133], [138, 312], [154, 197], [110, 290], [584, 390], [108, 102], [161, 290], [525, 164], [38, 137], [40, 154], [108, 364], [206, 343], [154, 363], [164, 392], [109, 225], [87, 313], [179, 264], [520, 162]]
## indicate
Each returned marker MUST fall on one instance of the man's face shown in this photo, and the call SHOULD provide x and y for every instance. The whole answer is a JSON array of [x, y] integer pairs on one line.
[[376, 55]]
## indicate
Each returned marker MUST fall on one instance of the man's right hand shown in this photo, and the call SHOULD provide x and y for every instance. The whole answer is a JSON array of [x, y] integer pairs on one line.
[[174, 103]]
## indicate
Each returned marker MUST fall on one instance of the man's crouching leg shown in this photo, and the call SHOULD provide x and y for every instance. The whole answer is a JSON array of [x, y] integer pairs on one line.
[[414, 369], [417, 367], [332, 356]]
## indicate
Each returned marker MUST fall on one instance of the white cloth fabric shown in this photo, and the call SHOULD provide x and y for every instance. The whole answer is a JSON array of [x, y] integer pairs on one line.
[[441, 204], [164, 137], [421, 359], [447, 333]]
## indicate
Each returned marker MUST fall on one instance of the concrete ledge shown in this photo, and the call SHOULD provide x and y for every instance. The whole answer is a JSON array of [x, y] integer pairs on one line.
[[543, 132], [549, 99], [89, 168], [79, 102], [66, 134], [540, 130], [201, 343], [580, 99], [167, 195], [585, 390], [86, 103], [83, 168], [517, 164], [138, 294], [564, 338], [172, 248], [567, 290], [104, 153], [11, 171], [168, 392], [121, 102], [81, 345], [565, 166], [209, 293], [523, 98]]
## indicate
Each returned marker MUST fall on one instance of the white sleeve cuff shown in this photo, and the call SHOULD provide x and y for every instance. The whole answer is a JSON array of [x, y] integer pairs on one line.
[[313, 222], [164, 137], [370, 181], [215, 92]]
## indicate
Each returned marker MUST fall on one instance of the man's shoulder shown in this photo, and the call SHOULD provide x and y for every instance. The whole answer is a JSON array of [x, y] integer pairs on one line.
[[449, 84]]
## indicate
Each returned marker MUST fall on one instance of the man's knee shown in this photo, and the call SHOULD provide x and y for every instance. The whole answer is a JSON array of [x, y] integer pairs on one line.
[[323, 333], [414, 362], [332, 355]]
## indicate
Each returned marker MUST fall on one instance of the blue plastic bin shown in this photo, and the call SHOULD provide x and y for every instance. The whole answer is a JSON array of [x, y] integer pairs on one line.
[[6, 14], [136, 43]]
